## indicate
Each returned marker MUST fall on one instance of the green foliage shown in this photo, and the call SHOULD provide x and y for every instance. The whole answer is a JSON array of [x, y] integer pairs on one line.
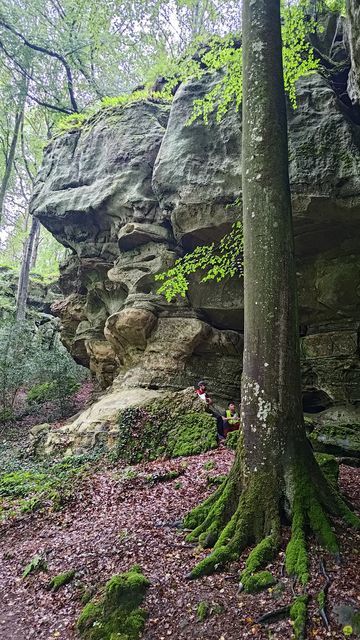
[[54, 390], [29, 355], [223, 56], [61, 580], [142, 432], [116, 613], [338, 6], [129, 98], [41, 392], [37, 563], [217, 261], [209, 465], [232, 439], [108, 106], [298, 55], [71, 122]]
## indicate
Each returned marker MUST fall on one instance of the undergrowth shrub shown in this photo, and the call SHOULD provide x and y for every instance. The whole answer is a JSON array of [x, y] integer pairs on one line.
[[33, 360]]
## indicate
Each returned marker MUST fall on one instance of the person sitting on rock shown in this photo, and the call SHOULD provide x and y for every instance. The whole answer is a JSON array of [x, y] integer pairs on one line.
[[231, 419], [202, 394]]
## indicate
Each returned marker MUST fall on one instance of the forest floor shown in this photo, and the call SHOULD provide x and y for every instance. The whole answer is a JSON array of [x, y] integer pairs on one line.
[[120, 516]]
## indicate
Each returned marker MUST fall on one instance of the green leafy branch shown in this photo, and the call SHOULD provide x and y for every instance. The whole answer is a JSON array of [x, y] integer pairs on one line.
[[218, 260]]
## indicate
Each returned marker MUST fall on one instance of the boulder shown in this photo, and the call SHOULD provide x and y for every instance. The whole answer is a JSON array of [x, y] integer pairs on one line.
[[337, 431]]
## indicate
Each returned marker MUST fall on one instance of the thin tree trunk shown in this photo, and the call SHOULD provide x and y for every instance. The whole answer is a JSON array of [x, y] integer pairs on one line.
[[23, 284], [11, 156], [275, 472], [36, 247]]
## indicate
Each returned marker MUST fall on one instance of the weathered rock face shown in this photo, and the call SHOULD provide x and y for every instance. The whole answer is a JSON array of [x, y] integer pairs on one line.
[[353, 9], [139, 187], [40, 295]]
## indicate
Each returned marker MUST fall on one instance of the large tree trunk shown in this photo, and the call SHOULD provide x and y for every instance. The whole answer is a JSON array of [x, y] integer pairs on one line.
[[23, 284], [275, 472]]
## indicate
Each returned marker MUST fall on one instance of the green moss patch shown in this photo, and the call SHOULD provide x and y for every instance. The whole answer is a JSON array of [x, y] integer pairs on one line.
[[61, 580], [232, 439], [298, 616], [116, 613], [329, 466], [202, 611], [37, 563], [157, 430], [253, 580], [191, 434], [40, 485]]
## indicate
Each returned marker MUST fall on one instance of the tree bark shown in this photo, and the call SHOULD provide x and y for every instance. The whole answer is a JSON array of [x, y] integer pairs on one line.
[[23, 284], [11, 154], [275, 473]]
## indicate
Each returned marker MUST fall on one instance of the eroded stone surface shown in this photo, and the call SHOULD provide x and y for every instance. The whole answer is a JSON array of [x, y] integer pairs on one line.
[[353, 9], [134, 190]]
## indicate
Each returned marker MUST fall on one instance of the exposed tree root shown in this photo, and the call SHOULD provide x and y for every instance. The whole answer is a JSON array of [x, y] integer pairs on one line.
[[321, 597], [298, 612], [272, 616], [229, 523]]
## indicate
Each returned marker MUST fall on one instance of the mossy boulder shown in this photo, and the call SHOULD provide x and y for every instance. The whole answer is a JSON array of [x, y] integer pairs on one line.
[[160, 429], [116, 613], [337, 439], [191, 434]]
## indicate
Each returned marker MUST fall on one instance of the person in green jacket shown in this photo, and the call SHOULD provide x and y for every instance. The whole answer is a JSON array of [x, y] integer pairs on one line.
[[231, 419]]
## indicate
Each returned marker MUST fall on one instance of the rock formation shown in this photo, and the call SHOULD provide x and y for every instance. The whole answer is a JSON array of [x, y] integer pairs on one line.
[[40, 297], [353, 9], [136, 187]]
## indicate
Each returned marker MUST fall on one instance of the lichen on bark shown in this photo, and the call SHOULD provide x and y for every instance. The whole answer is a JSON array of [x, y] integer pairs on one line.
[[275, 477]]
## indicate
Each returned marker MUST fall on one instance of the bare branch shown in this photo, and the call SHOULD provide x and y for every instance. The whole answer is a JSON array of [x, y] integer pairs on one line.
[[48, 52]]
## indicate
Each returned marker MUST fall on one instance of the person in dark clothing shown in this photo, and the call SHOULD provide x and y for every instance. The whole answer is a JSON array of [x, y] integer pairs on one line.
[[202, 394]]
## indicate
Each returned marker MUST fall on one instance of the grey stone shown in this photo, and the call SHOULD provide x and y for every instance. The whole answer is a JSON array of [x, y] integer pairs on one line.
[[353, 9], [138, 186]]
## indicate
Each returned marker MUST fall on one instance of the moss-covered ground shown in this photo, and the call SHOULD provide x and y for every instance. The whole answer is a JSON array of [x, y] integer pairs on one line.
[[28, 484]]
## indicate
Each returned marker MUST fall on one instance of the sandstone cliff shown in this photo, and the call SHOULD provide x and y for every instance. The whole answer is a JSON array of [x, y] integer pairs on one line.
[[137, 187]]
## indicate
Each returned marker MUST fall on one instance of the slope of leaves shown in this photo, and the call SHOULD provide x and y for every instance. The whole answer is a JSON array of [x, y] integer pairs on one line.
[[119, 518]]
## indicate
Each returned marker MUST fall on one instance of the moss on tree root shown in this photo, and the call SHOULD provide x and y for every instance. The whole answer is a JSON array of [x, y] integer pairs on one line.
[[232, 524], [298, 613], [116, 613], [231, 519]]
